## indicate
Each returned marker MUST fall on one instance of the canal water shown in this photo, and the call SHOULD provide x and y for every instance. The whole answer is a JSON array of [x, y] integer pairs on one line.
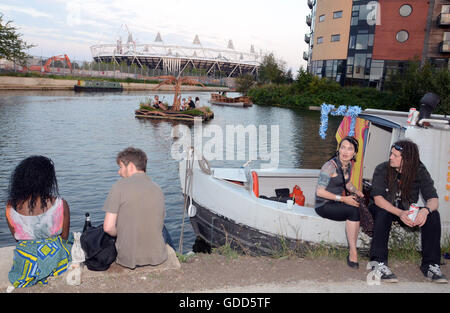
[[82, 133]]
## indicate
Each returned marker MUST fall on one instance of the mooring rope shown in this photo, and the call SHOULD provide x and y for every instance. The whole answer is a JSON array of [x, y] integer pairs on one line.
[[187, 189]]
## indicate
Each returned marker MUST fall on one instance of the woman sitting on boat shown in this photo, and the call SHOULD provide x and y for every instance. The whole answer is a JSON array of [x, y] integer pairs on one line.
[[332, 201], [39, 220]]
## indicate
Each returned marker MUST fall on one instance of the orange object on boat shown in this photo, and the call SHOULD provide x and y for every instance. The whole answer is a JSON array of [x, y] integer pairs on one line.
[[297, 195], [255, 184]]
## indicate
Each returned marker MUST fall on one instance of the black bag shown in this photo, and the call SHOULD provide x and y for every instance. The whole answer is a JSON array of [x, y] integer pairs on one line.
[[366, 221], [99, 248]]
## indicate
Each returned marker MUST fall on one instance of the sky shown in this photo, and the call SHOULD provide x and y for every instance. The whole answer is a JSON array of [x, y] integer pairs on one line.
[[72, 26]]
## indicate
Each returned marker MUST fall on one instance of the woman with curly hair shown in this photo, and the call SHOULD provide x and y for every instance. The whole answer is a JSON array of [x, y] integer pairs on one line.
[[39, 219]]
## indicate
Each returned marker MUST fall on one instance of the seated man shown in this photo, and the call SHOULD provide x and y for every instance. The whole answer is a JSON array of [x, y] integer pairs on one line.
[[135, 213], [395, 185]]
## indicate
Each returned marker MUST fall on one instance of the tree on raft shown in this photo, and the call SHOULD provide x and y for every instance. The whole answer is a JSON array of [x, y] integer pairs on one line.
[[178, 81]]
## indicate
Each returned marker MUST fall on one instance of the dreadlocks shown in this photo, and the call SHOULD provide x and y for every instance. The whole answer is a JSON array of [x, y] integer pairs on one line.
[[410, 161]]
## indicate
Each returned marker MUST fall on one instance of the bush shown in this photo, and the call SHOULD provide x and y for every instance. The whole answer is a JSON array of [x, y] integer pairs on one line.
[[411, 85], [308, 90]]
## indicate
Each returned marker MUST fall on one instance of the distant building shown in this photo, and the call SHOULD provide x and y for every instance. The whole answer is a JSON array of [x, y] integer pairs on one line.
[[171, 59], [361, 42]]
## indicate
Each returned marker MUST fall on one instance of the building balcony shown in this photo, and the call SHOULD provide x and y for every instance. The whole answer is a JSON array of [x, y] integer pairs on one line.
[[444, 47], [310, 4], [308, 20], [443, 19], [307, 38], [305, 55]]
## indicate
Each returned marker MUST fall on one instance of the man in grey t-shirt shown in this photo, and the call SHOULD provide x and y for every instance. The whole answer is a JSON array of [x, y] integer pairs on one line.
[[135, 213]]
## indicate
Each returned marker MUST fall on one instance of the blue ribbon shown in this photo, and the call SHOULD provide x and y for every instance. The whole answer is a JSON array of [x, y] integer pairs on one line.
[[342, 110]]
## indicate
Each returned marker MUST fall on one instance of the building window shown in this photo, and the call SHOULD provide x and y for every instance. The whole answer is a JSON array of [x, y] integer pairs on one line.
[[405, 10], [319, 40], [335, 38], [351, 42], [370, 43], [359, 66], [447, 36], [364, 10], [321, 18], [337, 14], [362, 42], [445, 9], [402, 36]]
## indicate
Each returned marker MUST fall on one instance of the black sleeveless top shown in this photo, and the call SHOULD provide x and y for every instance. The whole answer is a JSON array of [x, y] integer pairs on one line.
[[336, 184]]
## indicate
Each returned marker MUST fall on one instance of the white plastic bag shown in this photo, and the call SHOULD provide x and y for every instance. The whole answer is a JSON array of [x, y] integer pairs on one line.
[[73, 277]]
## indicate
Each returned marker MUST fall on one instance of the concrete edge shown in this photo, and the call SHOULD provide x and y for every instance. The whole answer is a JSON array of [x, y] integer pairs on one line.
[[7, 254]]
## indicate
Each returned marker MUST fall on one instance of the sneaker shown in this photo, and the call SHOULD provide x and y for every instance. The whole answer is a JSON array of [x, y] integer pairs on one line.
[[433, 273], [385, 273]]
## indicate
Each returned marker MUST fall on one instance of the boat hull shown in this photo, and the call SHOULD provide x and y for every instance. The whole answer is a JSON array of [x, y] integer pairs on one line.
[[218, 230], [232, 104], [96, 89], [257, 225]]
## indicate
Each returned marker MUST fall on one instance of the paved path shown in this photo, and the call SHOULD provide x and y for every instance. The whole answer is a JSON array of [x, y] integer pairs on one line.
[[308, 286], [300, 286]]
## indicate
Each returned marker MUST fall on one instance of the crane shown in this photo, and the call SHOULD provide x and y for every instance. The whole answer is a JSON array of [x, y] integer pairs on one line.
[[46, 67]]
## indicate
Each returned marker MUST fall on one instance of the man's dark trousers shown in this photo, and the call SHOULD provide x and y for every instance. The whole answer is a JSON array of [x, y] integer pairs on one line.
[[430, 233]]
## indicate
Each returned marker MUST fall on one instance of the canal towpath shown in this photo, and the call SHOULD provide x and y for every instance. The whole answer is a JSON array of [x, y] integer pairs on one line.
[[42, 83], [215, 273]]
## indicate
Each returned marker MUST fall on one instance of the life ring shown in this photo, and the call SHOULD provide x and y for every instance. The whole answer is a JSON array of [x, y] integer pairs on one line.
[[204, 165], [255, 184]]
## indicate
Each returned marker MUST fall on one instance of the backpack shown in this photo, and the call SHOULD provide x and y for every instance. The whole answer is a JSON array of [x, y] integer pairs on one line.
[[99, 248]]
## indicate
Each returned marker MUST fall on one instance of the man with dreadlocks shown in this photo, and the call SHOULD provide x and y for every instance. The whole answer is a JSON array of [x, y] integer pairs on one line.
[[395, 185]]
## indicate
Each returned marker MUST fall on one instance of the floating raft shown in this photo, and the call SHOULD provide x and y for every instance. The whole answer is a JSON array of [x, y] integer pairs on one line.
[[221, 99], [189, 115]]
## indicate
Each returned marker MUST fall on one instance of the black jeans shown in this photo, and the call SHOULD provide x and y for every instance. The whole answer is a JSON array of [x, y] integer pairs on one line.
[[430, 233], [338, 211]]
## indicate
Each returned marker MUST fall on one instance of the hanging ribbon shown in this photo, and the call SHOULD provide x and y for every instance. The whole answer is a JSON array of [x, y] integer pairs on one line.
[[342, 110]]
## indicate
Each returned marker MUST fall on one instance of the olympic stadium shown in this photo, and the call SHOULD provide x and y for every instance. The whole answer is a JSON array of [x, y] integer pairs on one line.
[[170, 59]]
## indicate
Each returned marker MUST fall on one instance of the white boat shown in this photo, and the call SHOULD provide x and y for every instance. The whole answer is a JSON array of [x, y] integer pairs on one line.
[[228, 208]]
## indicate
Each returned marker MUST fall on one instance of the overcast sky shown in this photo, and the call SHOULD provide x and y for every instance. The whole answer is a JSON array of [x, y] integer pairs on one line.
[[71, 27]]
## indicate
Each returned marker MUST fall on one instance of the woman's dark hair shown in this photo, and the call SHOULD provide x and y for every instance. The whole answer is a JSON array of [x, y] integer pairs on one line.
[[410, 161], [354, 143], [34, 178]]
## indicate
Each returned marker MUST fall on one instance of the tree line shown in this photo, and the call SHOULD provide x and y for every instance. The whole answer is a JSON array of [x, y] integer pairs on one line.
[[276, 86]]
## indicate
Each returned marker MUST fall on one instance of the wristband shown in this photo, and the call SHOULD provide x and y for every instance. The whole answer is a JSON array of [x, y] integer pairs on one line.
[[338, 198]]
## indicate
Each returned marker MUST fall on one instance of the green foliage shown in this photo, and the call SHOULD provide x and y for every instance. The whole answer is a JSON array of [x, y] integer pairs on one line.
[[244, 83], [273, 71], [411, 85], [308, 90], [12, 47]]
